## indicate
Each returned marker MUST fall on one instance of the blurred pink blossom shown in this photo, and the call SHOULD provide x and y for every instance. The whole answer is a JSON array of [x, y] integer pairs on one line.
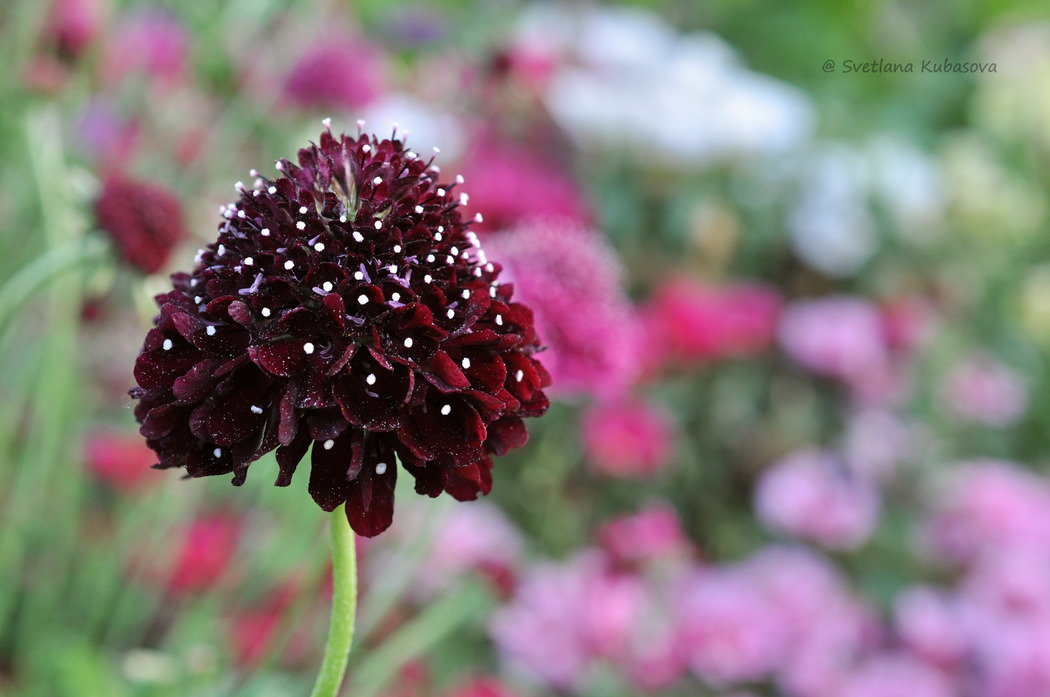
[[983, 390], [812, 495], [651, 534], [697, 322], [510, 184], [571, 279], [121, 459], [105, 136], [475, 536], [840, 337], [875, 441], [1010, 582], [482, 687], [931, 624], [985, 505], [630, 439], [339, 71], [205, 551], [730, 630], [1014, 661], [544, 630], [895, 675], [148, 41], [74, 24]]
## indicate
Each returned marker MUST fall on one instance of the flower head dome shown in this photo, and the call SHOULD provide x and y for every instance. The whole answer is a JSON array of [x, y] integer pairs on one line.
[[345, 307]]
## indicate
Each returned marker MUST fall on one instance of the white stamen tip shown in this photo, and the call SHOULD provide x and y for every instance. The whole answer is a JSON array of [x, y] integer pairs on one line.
[[419, 209], [436, 149], [428, 278], [446, 410], [197, 299], [253, 172], [239, 186], [392, 268], [248, 261], [308, 348], [303, 209], [466, 363], [342, 219], [319, 247], [478, 218], [451, 314], [437, 236], [301, 225], [408, 342], [256, 410], [499, 320], [440, 191], [377, 181], [396, 297], [327, 286], [459, 178], [327, 122], [241, 215], [362, 299], [379, 225], [371, 379], [265, 232], [279, 166], [221, 250], [520, 375], [265, 312], [359, 275], [360, 123], [366, 148], [358, 237], [210, 331], [217, 452], [397, 249], [465, 294], [329, 444], [272, 190], [380, 468], [464, 199], [449, 259], [430, 258], [167, 344], [289, 264]]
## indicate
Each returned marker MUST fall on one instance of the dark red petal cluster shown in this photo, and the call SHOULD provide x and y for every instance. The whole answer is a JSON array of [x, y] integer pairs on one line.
[[143, 220], [345, 310]]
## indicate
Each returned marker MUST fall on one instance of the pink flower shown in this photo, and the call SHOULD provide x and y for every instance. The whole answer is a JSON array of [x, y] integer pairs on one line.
[[931, 624], [840, 337], [700, 322], [74, 24], [148, 41], [511, 184], [482, 687], [122, 460], [629, 439], [875, 441], [811, 495], [476, 536], [731, 630], [986, 505], [1011, 582], [336, 71], [204, 554], [983, 390], [571, 279], [543, 630], [895, 676], [1015, 661], [649, 535]]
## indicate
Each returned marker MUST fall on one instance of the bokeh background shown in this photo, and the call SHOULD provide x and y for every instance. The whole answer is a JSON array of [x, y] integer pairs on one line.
[[798, 317]]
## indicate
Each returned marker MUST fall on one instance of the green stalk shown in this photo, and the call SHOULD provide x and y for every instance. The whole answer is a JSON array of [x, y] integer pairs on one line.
[[344, 607]]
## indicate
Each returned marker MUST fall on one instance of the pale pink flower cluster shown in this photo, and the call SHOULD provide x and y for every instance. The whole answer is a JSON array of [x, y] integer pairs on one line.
[[982, 390]]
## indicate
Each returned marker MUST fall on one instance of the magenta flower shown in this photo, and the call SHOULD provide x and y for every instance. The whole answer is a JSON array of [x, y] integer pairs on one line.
[[143, 220], [695, 322], [338, 71], [344, 306], [121, 460], [204, 554], [558, 267], [627, 438], [149, 41]]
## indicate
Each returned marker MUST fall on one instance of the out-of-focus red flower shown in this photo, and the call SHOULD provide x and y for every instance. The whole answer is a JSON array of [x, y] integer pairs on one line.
[[122, 460], [509, 184], [143, 220], [205, 551], [627, 438], [336, 71], [697, 322], [252, 631]]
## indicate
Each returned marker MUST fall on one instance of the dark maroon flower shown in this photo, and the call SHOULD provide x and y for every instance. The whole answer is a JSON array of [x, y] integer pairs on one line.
[[345, 306], [143, 220]]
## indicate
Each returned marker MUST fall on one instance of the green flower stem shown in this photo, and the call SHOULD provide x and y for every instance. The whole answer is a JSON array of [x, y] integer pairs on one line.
[[344, 607]]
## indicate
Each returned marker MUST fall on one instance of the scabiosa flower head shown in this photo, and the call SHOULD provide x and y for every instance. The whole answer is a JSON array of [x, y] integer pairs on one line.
[[347, 307], [143, 220]]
